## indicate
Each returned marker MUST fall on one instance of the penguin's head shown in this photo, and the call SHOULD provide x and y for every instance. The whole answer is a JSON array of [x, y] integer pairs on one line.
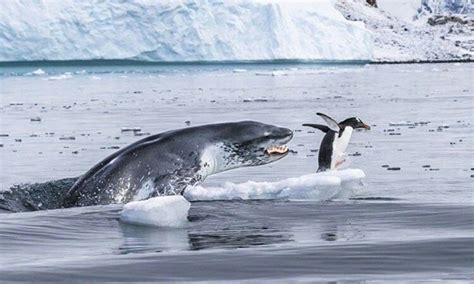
[[354, 122]]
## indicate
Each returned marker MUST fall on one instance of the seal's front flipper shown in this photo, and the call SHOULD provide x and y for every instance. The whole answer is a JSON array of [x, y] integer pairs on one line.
[[332, 124], [323, 128]]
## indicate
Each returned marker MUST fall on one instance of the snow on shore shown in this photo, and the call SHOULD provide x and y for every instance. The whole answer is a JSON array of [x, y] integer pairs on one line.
[[416, 30]]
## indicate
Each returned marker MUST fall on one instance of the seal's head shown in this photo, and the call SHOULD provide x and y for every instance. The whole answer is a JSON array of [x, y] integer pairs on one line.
[[249, 143]]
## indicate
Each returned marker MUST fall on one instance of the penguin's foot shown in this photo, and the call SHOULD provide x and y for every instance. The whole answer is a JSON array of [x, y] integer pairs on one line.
[[340, 162]]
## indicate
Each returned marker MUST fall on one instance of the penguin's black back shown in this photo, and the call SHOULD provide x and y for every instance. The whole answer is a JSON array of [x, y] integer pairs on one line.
[[325, 151]]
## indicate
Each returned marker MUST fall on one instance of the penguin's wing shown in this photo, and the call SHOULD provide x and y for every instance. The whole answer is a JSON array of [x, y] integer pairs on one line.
[[332, 124], [323, 128]]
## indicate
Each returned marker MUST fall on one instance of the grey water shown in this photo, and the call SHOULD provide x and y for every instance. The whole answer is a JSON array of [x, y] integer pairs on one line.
[[411, 223]]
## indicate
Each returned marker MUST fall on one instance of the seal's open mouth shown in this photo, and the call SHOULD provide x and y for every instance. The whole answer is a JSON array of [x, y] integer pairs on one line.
[[276, 149]]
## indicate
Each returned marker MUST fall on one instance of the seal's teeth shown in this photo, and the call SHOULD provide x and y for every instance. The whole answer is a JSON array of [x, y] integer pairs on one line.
[[277, 149]]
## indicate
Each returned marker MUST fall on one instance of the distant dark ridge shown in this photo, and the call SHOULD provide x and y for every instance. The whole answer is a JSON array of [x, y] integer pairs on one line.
[[129, 62], [375, 198], [424, 61]]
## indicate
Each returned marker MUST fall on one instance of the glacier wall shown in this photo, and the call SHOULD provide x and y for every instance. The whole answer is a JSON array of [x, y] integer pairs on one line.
[[179, 31]]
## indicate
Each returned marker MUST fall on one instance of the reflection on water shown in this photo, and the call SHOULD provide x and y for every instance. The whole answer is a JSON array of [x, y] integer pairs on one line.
[[139, 239], [240, 239], [142, 239]]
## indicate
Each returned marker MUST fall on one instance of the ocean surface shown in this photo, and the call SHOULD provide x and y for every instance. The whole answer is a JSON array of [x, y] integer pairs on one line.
[[413, 219]]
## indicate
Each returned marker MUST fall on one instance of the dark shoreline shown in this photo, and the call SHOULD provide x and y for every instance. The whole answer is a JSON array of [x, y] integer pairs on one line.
[[423, 61], [129, 62]]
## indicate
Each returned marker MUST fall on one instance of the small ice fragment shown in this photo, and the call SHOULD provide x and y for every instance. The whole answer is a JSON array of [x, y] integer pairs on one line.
[[131, 129], [237, 70], [64, 76], [141, 133], [279, 73], [393, 168], [259, 100], [38, 72], [402, 123], [67, 138], [161, 211]]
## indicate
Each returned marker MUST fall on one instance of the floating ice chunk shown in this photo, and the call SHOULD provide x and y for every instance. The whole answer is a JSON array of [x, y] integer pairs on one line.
[[316, 186], [259, 100], [402, 123], [60, 77], [162, 211], [238, 70], [130, 129], [272, 73], [37, 72]]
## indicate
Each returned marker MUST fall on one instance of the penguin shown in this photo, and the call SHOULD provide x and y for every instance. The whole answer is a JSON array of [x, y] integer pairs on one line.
[[335, 142]]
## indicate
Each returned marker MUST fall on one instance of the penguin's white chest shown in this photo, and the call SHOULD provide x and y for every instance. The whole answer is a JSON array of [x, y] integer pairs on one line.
[[339, 146]]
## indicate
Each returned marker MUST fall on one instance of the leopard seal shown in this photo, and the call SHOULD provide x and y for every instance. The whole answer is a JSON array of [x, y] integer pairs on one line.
[[168, 162]]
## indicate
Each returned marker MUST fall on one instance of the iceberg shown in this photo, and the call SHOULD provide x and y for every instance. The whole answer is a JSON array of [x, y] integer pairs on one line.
[[179, 31]]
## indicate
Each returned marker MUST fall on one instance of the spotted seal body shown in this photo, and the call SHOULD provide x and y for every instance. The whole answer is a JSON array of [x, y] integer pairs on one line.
[[167, 163]]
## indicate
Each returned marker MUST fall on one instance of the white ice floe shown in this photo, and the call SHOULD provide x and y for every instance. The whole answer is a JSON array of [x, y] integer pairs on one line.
[[179, 30], [162, 211], [317, 186]]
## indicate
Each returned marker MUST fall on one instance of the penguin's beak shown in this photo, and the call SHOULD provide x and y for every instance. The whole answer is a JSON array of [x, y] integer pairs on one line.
[[365, 126]]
